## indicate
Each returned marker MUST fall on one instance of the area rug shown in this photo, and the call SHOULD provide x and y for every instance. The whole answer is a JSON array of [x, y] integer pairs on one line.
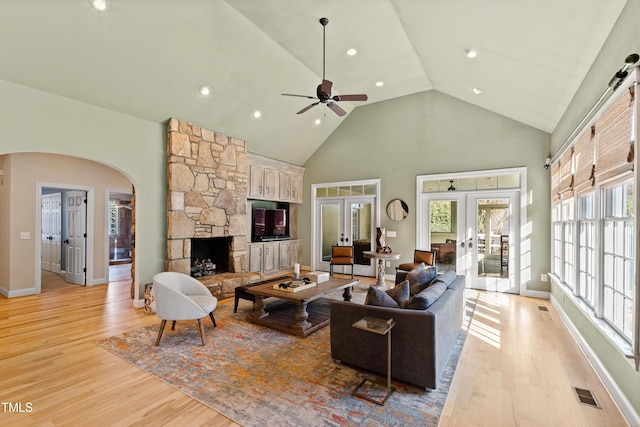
[[261, 377]]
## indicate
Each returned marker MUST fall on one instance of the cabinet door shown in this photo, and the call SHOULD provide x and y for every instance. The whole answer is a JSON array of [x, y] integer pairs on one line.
[[285, 255], [270, 184], [285, 186], [256, 185], [255, 258], [271, 255], [296, 188]]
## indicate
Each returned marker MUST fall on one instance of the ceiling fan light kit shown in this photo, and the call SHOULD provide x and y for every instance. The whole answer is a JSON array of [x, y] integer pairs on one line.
[[323, 91]]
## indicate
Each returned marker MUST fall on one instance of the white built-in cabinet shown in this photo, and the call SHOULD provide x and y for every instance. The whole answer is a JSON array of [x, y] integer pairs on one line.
[[272, 257], [271, 179], [274, 180]]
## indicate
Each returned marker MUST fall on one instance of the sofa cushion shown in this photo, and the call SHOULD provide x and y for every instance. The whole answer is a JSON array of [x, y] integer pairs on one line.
[[423, 299], [380, 298], [447, 277], [400, 294], [419, 278]]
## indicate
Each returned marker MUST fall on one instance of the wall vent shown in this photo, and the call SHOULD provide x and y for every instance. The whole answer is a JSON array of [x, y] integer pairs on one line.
[[586, 397], [543, 308]]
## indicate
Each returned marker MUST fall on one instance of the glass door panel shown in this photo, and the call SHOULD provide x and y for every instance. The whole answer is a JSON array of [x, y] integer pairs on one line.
[[361, 221], [331, 227], [444, 232], [493, 228]]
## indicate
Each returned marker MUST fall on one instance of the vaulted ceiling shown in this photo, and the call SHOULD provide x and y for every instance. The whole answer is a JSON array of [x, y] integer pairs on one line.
[[148, 58]]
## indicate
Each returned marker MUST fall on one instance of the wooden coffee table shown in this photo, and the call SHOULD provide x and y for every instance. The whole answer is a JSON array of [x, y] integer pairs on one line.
[[292, 313]]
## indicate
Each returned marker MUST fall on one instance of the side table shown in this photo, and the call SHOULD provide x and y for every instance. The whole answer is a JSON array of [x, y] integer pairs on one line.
[[381, 257], [380, 327]]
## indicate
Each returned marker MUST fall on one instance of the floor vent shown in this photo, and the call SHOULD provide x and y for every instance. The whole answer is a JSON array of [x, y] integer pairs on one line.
[[543, 308], [586, 397]]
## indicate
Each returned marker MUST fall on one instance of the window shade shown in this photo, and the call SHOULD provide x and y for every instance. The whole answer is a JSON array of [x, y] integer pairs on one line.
[[615, 147], [585, 165], [566, 175]]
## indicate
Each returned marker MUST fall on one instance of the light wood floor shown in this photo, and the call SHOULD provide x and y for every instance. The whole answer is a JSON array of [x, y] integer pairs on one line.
[[516, 369]]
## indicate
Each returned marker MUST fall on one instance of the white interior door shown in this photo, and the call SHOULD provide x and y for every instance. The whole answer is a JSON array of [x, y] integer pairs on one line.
[[76, 236], [51, 234], [493, 219]]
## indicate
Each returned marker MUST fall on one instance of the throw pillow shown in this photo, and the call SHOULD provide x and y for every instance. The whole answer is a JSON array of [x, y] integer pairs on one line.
[[400, 294], [379, 298], [420, 278], [426, 297], [447, 277]]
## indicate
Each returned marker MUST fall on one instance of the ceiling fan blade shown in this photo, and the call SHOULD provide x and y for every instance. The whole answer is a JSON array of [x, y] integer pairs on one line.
[[360, 97], [325, 87], [308, 107], [301, 96], [336, 109]]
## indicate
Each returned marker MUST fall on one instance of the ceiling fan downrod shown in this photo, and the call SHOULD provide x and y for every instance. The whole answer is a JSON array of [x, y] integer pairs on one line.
[[324, 22]]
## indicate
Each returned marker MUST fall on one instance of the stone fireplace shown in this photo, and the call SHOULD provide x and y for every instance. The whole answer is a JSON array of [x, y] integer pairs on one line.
[[207, 195]]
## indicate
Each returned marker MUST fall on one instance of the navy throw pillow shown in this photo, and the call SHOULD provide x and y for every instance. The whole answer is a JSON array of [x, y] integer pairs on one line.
[[400, 294], [426, 297], [379, 298], [419, 279]]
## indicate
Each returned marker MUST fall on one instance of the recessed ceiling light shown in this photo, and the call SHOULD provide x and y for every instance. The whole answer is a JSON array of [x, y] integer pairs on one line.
[[352, 52], [476, 90], [380, 83], [317, 121], [257, 114], [205, 90], [471, 53], [99, 5]]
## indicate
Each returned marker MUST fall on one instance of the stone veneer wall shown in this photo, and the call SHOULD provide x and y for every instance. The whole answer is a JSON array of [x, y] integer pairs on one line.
[[207, 175]]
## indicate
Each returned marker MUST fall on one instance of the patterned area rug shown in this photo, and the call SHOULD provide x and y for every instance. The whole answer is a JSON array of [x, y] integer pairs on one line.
[[261, 377]]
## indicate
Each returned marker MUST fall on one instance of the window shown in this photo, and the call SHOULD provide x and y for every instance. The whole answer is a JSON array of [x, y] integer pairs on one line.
[[587, 244], [593, 216], [618, 259]]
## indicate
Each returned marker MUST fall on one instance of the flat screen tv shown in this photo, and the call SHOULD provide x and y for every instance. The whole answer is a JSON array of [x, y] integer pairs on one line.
[[269, 224]]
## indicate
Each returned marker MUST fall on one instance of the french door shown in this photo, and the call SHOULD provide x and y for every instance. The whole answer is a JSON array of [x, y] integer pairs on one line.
[[345, 222], [475, 234], [51, 234]]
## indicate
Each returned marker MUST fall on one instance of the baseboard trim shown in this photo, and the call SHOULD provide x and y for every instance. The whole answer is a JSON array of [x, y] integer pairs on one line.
[[138, 303], [617, 395], [18, 293], [537, 294]]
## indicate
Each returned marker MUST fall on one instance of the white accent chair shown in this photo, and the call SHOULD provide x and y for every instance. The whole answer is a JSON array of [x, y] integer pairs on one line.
[[181, 297]]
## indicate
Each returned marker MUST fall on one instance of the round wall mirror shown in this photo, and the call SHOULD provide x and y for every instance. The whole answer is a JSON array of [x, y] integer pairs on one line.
[[397, 210]]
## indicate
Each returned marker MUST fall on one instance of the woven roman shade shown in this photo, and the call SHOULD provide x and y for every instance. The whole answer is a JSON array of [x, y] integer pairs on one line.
[[615, 147], [566, 175], [555, 183], [585, 161]]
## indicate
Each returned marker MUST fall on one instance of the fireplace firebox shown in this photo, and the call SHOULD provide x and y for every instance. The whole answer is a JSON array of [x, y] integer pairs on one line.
[[210, 255]]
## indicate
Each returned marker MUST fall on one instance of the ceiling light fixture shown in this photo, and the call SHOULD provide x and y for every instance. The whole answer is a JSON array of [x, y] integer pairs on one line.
[[476, 91], [352, 52], [205, 90], [380, 83], [471, 53], [99, 5], [257, 114], [317, 121]]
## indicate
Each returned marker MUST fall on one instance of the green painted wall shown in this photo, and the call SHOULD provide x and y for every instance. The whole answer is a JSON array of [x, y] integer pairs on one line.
[[35, 121], [430, 133]]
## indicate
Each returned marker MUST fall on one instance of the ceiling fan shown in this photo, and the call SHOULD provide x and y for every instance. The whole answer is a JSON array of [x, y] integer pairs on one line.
[[323, 91]]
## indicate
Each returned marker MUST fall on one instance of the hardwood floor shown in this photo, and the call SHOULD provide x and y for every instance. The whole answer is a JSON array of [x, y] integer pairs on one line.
[[517, 367]]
